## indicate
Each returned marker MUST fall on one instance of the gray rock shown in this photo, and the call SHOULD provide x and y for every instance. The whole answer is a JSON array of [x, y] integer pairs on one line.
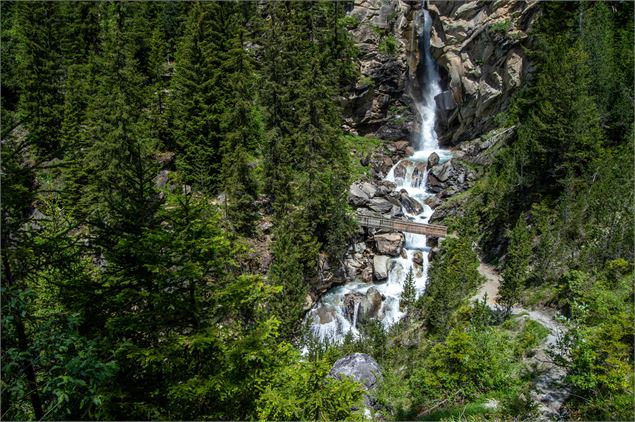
[[380, 205], [326, 314], [442, 172], [380, 267], [360, 367], [389, 243], [357, 196], [162, 179], [401, 146], [370, 306], [410, 204], [433, 160], [369, 189]]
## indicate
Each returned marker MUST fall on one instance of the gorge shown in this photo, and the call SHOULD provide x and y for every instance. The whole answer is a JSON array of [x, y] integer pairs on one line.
[[338, 310]]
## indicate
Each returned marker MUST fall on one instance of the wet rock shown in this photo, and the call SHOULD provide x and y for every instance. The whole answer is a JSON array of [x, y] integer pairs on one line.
[[367, 274], [396, 212], [418, 174], [352, 267], [370, 306], [308, 303], [400, 170], [401, 146], [433, 159], [326, 314], [411, 205], [360, 367], [389, 243], [380, 267], [350, 300], [417, 258]]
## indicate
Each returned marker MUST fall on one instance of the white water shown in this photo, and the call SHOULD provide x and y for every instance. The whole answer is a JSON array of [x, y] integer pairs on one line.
[[329, 319]]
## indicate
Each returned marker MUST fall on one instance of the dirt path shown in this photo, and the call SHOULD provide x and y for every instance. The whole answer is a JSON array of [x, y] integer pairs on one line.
[[491, 285], [549, 391]]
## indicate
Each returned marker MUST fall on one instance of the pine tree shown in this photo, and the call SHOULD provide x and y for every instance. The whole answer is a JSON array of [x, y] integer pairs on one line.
[[515, 271]]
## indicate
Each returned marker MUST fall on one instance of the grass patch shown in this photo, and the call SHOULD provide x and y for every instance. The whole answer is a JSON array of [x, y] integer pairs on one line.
[[359, 147], [532, 334]]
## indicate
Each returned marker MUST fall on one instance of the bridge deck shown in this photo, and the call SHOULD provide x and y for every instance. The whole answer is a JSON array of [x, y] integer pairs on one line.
[[433, 230]]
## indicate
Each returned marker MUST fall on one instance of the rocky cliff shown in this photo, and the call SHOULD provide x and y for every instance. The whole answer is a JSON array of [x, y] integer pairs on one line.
[[478, 46]]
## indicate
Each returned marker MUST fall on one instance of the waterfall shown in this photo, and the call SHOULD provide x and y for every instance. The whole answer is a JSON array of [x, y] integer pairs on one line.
[[328, 318], [355, 311]]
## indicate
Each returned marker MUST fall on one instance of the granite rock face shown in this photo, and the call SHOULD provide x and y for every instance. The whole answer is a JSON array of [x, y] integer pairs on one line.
[[479, 47]]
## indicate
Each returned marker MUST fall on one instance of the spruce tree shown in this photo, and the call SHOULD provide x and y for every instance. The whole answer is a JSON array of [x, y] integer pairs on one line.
[[516, 264], [409, 294], [40, 66], [198, 95]]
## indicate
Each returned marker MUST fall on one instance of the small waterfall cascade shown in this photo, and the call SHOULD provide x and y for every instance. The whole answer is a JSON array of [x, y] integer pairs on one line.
[[342, 308]]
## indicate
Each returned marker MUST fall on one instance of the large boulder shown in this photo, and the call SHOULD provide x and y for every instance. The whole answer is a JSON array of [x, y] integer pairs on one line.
[[389, 243], [410, 204], [369, 189], [380, 267], [370, 306], [357, 196], [433, 159], [360, 367], [380, 205]]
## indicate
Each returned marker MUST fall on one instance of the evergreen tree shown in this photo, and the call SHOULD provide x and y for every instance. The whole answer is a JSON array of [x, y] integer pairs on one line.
[[39, 62], [200, 90], [242, 129], [409, 294], [515, 271], [452, 276], [295, 253]]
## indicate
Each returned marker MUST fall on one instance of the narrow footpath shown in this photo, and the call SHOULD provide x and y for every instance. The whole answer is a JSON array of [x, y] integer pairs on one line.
[[549, 390]]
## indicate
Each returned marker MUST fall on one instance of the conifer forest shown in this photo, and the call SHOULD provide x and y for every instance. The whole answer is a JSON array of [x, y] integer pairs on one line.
[[317, 210]]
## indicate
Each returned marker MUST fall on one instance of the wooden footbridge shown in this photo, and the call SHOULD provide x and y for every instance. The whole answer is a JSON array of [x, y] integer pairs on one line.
[[433, 230]]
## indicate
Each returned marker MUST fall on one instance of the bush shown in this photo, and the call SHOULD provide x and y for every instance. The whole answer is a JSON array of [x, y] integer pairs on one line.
[[501, 26], [388, 45]]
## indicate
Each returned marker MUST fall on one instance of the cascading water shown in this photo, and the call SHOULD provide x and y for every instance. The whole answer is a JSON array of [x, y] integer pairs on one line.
[[338, 311]]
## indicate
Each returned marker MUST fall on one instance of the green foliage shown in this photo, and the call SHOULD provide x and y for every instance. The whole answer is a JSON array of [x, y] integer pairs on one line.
[[300, 392], [501, 26], [465, 365], [452, 277], [360, 148], [516, 264], [39, 64], [599, 343], [388, 45], [409, 294]]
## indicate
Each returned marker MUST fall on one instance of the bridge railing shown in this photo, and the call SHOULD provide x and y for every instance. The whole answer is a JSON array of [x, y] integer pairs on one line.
[[433, 230]]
